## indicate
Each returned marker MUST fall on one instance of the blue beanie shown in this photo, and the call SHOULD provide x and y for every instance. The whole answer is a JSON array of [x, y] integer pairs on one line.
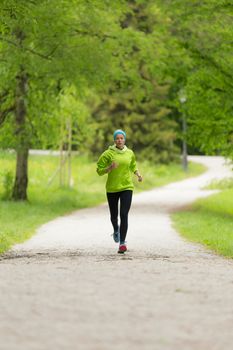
[[119, 131]]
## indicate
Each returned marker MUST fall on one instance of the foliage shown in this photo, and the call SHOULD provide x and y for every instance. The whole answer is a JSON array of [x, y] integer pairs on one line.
[[137, 98], [223, 184], [101, 65], [47, 48], [202, 32], [7, 183], [49, 41]]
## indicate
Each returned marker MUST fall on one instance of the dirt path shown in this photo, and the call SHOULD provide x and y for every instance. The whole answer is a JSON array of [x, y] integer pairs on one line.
[[66, 288]]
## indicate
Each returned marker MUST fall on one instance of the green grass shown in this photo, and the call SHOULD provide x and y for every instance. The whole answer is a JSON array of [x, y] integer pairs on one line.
[[209, 221], [19, 220], [160, 174], [221, 184]]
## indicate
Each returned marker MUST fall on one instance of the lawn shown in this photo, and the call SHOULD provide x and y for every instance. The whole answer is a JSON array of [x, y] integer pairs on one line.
[[210, 220]]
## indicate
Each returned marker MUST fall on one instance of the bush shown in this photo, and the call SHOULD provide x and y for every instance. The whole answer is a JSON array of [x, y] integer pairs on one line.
[[7, 184]]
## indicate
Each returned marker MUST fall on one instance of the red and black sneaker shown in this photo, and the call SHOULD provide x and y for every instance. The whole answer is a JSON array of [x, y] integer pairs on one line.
[[122, 248]]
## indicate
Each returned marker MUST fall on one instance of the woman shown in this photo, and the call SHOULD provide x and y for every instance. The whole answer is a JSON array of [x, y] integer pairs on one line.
[[119, 163]]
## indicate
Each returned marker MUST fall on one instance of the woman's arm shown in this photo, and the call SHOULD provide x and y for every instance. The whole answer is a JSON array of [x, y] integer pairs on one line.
[[111, 167], [138, 175], [105, 164], [133, 167]]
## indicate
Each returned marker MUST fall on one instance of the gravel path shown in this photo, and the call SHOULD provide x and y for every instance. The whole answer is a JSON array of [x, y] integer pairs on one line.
[[66, 288]]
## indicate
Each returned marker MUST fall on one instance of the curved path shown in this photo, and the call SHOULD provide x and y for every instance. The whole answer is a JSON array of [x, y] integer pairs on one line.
[[66, 288]]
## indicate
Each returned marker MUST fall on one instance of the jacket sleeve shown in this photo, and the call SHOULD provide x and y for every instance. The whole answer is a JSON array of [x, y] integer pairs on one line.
[[103, 162], [133, 164]]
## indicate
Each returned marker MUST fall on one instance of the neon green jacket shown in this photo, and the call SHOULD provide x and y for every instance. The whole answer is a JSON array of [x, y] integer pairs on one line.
[[119, 179]]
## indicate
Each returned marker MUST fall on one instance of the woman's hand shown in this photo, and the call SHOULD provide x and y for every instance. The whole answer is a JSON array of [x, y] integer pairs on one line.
[[139, 176], [111, 167]]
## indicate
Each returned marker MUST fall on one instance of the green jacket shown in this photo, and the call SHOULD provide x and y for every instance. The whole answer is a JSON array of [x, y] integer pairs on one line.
[[119, 179]]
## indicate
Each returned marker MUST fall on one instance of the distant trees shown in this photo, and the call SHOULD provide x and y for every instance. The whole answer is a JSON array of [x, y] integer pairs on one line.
[[201, 63], [136, 99], [112, 64], [46, 46]]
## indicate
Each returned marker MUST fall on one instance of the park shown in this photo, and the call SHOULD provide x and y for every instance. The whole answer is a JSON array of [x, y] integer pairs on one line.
[[160, 74]]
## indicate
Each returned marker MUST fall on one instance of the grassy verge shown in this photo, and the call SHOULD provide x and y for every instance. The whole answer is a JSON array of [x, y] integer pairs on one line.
[[20, 220], [210, 220]]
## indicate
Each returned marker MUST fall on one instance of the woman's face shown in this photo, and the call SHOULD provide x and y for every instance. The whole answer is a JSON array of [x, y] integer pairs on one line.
[[120, 141]]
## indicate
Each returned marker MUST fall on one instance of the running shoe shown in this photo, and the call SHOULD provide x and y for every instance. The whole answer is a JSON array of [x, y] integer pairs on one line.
[[122, 248], [116, 236]]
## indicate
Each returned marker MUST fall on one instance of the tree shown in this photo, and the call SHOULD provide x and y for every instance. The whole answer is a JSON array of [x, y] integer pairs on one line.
[[137, 98], [202, 32], [44, 47]]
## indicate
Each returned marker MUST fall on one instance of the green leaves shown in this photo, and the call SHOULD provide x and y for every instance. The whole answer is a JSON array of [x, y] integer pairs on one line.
[[202, 31], [136, 55], [57, 45], [136, 99]]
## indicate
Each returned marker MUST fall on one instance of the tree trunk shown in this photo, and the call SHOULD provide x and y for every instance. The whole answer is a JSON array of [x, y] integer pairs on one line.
[[22, 148], [184, 143], [21, 179]]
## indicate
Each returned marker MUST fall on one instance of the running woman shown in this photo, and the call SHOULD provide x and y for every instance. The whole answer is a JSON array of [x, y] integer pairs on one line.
[[119, 163]]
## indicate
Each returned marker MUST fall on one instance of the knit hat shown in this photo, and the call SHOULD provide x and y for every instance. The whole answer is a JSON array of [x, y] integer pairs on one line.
[[119, 131]]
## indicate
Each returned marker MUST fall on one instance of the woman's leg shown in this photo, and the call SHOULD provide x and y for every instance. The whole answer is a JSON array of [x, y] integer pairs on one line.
[[113, 199], [125, 203]]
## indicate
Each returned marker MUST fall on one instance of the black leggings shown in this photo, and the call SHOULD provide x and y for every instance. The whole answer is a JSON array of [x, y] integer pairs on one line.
[[125, 203]]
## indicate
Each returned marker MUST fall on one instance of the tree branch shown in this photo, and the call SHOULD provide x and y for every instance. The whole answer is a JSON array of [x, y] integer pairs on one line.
[[210, 60], [47, 57], [98, 35], [4, 94], [4, 114]]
